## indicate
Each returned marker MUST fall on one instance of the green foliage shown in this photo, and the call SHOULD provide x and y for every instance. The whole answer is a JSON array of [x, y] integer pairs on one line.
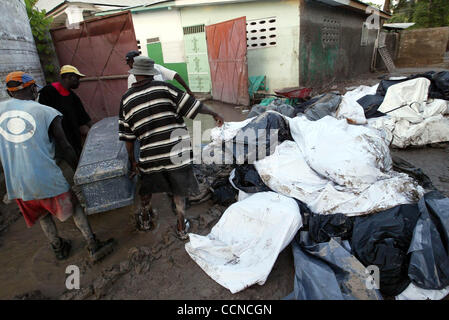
[[425, 13], [40, 27]]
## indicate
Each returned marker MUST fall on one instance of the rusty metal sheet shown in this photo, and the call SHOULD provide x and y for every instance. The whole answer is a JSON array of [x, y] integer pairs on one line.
[[226, 46], [98, 50]]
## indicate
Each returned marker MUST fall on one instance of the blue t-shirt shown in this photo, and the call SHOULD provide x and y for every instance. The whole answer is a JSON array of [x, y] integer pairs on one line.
[[26, 152]]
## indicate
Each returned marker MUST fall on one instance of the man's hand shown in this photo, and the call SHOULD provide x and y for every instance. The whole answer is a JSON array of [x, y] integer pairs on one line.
[[218, 120], [134, 169]]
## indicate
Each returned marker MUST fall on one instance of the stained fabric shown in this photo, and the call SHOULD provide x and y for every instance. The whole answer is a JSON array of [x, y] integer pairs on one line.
[[383, 239], [429, 261], [328, 271]]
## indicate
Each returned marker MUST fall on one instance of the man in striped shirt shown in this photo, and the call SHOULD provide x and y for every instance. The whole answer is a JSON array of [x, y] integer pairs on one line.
[[152, 112]]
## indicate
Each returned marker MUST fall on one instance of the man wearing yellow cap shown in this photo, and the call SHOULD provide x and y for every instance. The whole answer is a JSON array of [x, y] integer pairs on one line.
[[60, 96], [28, 134]]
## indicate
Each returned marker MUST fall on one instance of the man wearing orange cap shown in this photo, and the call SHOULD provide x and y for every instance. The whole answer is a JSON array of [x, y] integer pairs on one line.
[[60, 96], [28, 134]]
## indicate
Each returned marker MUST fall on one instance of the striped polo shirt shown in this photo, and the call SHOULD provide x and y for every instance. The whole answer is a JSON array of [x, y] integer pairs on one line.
[[152, 112]]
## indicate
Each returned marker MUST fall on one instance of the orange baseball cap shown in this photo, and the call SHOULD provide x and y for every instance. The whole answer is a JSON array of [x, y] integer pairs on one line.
[[18, 80]]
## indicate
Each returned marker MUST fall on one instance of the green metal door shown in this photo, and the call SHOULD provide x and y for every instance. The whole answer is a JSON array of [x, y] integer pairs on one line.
[[196, 58]]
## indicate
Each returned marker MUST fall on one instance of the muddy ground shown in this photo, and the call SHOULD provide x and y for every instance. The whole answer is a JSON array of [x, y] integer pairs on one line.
[[151, 265]]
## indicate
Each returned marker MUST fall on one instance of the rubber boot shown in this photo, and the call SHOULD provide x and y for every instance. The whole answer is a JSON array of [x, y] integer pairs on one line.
[[99, 249], [62, 251]]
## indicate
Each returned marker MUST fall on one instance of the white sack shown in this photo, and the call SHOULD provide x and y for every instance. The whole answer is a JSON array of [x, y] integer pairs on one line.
[[412, 93], [349, 155], [403, 133], [243, 246], [228, 130], [413, 292], [286, 171], [350, 109]]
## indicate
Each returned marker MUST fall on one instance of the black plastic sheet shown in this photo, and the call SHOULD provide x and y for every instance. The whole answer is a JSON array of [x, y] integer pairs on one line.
[[258, 139], [325, 105], [247, 179], [383, 239], [429, 262], [328, 271]]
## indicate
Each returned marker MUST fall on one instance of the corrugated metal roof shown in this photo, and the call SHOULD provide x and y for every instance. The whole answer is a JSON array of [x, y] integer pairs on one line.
[[49, 5], [398, 25]]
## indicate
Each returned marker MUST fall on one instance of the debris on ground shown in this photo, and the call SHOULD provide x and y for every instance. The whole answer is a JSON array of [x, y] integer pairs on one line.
[[358, 206]]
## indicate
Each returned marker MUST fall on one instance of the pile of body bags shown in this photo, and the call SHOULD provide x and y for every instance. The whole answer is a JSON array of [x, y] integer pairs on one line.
[[361, 224]]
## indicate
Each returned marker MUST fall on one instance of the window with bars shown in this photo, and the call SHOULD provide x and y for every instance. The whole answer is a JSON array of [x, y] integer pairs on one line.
[[261, 33], [330, 32], [194, 29]]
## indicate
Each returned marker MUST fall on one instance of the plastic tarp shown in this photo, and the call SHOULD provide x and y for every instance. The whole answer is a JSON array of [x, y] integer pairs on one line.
[[244, 145], [328, 271], [243, 246], [411, 119], [350, 109], [402, 133], [325, 105], [334, 167], [429, 261], [278, 105], [413, 292], [246, 179], [383, 239]]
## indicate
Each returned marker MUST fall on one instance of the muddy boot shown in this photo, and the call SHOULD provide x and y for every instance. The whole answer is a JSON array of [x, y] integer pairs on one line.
[[62, 251], [100, 249]]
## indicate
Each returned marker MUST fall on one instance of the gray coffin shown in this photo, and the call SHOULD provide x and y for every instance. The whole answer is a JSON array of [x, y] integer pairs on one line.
[[102, 172]]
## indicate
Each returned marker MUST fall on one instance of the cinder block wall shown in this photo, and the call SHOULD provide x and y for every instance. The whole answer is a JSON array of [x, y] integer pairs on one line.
[[422, 47], [341, 56]]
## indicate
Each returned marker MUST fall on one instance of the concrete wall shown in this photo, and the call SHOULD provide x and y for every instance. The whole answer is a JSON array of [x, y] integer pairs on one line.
[[321, 64], [164, 24], [278, 63], [17, 48], [422, 47]]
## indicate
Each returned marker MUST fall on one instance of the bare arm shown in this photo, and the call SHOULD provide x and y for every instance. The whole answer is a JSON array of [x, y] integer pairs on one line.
[[132, 159], [58, 134], [206, 110], [183, 83]]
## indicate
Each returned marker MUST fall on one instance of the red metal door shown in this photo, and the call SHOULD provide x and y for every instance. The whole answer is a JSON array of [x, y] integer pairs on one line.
[[98, 50], [226, 47]]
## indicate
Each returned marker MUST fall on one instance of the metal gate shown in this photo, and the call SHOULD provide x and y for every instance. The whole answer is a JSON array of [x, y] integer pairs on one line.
[[98, 48], [226, 46]]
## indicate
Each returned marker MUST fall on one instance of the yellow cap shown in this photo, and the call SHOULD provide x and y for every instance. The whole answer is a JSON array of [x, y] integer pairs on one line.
[[70, 69]]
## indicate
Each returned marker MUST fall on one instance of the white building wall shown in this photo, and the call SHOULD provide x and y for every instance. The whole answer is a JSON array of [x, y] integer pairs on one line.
[[164, 24], [280, 63]]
